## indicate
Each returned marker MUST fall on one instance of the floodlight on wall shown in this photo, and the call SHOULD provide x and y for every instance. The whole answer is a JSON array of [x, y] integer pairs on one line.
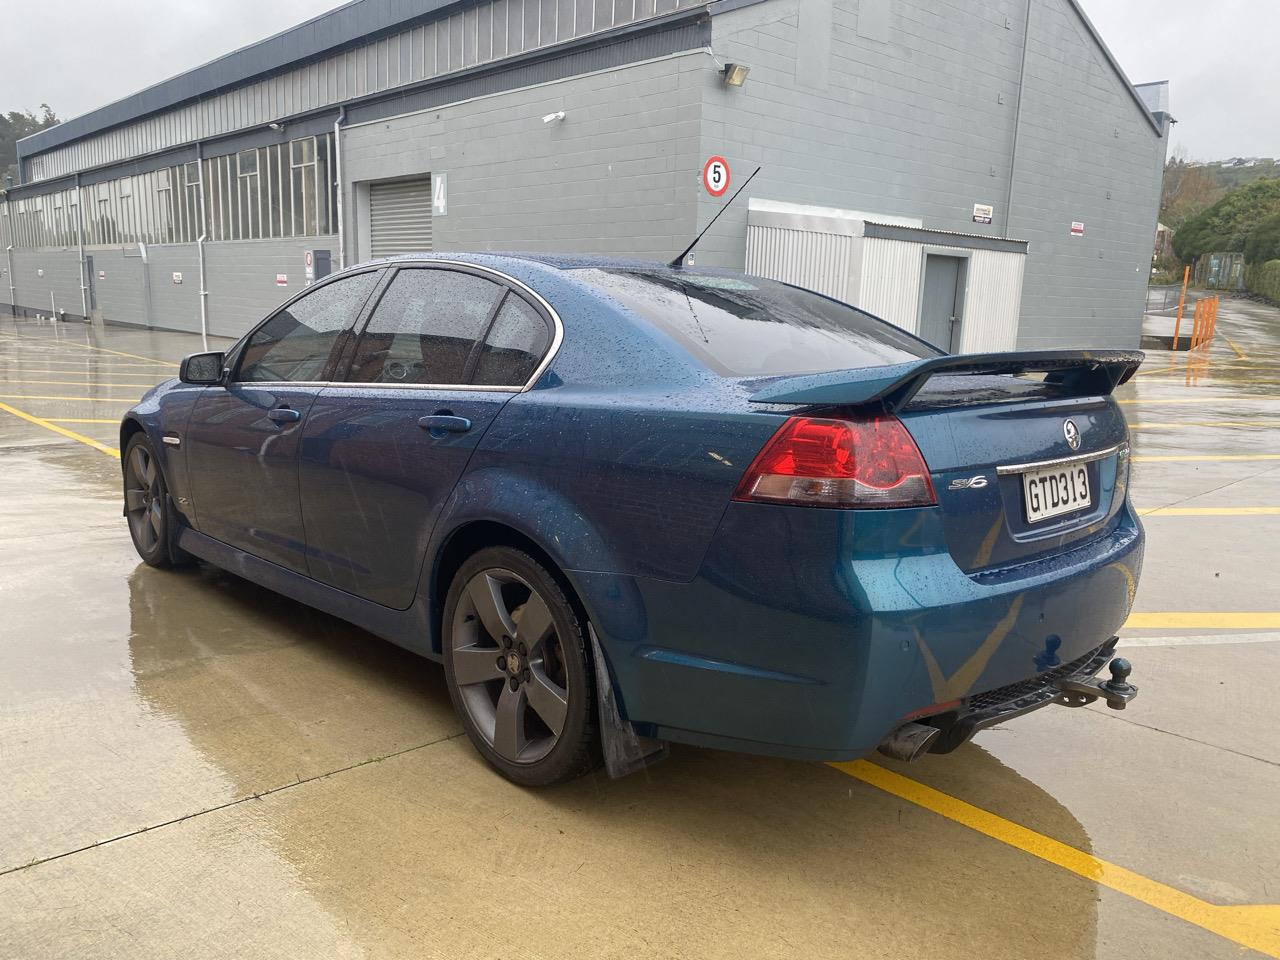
[[553, 117], [276, 126], [735, 74]]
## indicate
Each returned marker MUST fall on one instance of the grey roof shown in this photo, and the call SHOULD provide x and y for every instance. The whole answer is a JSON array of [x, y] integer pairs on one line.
[[348, 24]]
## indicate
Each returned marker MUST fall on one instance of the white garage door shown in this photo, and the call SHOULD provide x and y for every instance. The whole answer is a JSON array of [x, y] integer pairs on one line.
[[400, 217]]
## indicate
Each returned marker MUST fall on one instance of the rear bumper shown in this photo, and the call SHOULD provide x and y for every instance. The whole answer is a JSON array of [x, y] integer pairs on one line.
[[789, 652]]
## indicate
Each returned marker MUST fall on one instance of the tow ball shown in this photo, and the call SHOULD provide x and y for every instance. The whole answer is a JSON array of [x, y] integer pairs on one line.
[[1117, 691]]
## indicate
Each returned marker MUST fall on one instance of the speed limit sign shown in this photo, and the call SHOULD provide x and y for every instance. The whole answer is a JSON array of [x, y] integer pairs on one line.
[[715, 176]]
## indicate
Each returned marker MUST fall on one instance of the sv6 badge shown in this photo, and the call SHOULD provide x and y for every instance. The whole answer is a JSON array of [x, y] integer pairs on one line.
[[968, 483]]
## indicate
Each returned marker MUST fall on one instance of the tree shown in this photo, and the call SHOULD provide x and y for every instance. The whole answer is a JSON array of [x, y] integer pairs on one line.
[[15, 125], [1264, 242], [1188, 189], [1228, 224]]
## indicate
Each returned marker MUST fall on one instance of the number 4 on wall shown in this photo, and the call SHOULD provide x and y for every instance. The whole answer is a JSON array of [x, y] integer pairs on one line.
[[439, 194]]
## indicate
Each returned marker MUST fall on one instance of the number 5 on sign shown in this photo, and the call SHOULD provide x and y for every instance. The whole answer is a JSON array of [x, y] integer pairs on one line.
[[715, 176]]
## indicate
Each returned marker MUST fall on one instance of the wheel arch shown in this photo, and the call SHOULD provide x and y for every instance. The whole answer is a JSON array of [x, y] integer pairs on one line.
[[476, 535], [130, 425]]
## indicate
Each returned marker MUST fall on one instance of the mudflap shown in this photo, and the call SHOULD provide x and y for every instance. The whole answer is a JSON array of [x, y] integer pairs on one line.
[[625, 751]]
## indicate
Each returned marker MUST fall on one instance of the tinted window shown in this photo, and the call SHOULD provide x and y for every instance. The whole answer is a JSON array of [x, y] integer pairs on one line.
[[514, 347], [746, 326], [424, 328], [295, 344]]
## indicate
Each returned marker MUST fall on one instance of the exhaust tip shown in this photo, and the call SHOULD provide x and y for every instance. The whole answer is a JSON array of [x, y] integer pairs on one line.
[[909, 742]]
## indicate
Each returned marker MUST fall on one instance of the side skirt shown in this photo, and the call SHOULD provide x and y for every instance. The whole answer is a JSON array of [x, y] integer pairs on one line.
[[405, 628]]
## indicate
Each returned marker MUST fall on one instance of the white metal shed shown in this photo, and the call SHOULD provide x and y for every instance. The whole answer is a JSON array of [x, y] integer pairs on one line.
[[961, 291]]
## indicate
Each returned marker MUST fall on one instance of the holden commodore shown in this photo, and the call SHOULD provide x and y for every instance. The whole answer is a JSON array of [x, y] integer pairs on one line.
[[628, 504]]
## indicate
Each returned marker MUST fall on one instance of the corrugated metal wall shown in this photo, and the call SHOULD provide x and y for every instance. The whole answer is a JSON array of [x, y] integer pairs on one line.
[[484, 33], [993, 299], [818, 261], [891, 281]]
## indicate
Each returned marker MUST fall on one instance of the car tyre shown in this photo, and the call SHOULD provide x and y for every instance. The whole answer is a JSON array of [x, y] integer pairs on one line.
[[153, 523], [518, 669]]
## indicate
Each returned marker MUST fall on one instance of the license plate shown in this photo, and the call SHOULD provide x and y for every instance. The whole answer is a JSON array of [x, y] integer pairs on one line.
[[1056, 490]]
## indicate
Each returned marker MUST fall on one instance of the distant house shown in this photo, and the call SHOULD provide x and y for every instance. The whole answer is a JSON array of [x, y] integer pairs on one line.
[[1164, 242]]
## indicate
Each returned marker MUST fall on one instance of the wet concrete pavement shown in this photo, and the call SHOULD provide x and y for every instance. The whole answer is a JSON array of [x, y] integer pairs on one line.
[[195, 767]]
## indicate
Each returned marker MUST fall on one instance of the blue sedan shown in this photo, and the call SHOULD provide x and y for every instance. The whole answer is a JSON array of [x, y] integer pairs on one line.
[[627, 504]]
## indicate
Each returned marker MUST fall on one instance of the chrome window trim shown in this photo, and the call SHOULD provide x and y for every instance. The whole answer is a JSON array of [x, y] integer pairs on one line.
[[1007, 469], [557, 333], [371, 386], [557, 327]]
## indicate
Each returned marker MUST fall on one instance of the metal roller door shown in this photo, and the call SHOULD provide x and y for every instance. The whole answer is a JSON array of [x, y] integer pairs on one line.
[[400, 217]]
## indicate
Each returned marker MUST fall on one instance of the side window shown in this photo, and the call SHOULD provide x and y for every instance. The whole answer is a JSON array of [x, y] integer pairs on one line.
[[514, 347], [424, 328], [295, 344]]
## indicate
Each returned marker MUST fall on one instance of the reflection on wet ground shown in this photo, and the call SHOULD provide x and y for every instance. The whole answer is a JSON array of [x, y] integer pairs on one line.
[[196, 767]]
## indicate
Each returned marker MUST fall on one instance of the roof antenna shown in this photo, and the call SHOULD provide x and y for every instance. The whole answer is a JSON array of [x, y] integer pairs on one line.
[[678, 262]]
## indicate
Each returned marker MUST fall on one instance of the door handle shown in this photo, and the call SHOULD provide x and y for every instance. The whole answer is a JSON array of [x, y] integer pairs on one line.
[[441, 424], [284, 415]]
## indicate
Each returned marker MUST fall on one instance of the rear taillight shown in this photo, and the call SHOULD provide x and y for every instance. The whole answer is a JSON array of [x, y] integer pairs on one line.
[[869, 462]]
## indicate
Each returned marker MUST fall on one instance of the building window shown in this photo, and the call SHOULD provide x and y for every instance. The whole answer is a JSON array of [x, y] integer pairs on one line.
[[249, 200], [277, 191]]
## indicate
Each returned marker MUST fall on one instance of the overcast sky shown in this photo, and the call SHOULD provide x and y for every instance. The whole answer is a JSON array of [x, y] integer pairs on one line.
[[77, 55]]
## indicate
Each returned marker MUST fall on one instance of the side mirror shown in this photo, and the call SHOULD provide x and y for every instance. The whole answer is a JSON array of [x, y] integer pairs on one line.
[[202, 368]]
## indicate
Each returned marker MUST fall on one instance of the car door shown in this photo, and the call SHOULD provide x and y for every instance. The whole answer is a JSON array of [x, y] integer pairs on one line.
[[444, 349], [242, 438]]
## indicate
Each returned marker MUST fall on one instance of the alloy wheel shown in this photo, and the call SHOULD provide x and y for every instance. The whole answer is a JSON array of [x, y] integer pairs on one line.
[[509, 667], [144, 498]]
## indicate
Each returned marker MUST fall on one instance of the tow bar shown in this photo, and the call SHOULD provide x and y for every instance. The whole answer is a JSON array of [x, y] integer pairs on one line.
[[1117, 691]]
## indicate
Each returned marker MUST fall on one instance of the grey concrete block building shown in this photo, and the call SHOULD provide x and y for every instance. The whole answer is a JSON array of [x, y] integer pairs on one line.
[[980, 172]]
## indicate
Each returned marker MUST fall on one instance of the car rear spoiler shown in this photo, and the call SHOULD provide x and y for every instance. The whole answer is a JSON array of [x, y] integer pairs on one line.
[[1082, 372]]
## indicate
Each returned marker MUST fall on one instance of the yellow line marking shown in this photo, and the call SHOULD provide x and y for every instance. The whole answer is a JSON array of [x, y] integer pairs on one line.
[[1203, 458], [1209, 512], [1240, 354], [1254, 926], [58, 361], [1205, 620], [1147, 373], [1174, 424], [1219, 381], [41, 422], [95, 373], [78, 420], [5, 381], [1243, 397], [84, 346], [25, 396]]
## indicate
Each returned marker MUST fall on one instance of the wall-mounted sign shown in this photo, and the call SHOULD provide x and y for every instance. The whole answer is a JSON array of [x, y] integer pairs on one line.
[[282, 279], [439, 194], [39, 271], [983, 212], [102, 274], [309, 267], [177, 277], [715, 176], [1077, 228]]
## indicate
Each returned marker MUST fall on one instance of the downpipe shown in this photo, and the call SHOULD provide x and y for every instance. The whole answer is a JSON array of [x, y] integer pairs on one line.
[[84, 285], [204, 226], [13, 296], [337, 173]]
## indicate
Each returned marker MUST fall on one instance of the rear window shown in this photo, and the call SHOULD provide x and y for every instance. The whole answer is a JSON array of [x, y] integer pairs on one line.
[[749, 327]]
